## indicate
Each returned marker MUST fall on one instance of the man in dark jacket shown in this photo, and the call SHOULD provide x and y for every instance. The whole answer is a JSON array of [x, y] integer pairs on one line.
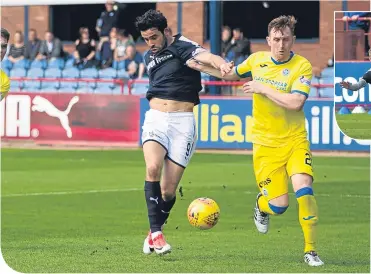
[[32, 46], [50, 48], [239, 48]]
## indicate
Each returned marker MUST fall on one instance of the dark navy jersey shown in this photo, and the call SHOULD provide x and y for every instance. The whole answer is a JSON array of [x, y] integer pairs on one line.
[[367, 77], [169, 76]]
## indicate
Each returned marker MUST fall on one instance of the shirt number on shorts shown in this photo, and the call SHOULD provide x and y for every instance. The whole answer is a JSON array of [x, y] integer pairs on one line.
[[189, 149], [308, 159]]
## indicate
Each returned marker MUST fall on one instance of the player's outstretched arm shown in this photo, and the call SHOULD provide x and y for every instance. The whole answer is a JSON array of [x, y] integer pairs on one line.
[[215, 61], [292, 101], [355, 86], [193, 64], [366, 79]]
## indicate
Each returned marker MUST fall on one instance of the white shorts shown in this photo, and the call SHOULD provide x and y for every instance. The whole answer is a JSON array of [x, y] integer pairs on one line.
[[175, 131]]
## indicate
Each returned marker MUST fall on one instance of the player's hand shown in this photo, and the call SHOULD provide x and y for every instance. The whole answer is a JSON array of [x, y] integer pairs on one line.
[[226, 68], [253, 87], [345, 84]]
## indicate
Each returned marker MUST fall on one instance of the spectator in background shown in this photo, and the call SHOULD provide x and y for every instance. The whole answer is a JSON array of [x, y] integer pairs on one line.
[[50, 48], [226, 39], [239, 47], [17, 49], [356, 24], [134, 65], [124, 39], [106, 22], [85, 50], [113, 38], [107, 49], [330, 62], [32, 45]]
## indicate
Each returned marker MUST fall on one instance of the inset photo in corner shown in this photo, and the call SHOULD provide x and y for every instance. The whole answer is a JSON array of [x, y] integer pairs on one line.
[[352, 66]]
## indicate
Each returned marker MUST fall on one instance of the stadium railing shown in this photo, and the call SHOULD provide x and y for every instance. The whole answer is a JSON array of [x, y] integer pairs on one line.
[[130, 85], [349, 45], [351, 20]]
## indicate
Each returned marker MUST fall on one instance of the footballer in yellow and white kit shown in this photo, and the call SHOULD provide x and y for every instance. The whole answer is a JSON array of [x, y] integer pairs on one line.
[[280, 83], [279, 136], [4, 79], [4, 85]]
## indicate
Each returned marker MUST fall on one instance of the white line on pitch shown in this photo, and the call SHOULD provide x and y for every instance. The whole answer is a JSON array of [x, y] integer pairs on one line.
[[71, 192], [138, 189]]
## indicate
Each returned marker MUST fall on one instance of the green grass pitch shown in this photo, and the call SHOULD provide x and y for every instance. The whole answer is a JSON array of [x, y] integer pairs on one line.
[[356, 126], [84, 211]]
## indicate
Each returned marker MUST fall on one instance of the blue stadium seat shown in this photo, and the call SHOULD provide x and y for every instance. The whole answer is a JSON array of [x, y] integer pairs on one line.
[[139, 88], [24, 64], [327, 77], [34, 84], [328, 73], [16, 85], [69, 63], [6, 64], [56, 63], [7, 71], [106, 74], [122, 74], [52, 73], [103, 88], [39, 64], [90, 73], [83, 87], [314, 91], [118, 65], [117, 90], [71, 73], [326, 91], [67, 86], [18, 72]]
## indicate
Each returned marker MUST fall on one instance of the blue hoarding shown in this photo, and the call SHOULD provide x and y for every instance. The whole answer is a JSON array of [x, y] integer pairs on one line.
[[351, 72], [224, 124]]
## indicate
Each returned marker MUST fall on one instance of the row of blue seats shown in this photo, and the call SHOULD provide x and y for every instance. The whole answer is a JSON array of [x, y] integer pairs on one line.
[[76, 87], [44, 64], [108, 73], [100, 88], [322, 91], [56, 85]]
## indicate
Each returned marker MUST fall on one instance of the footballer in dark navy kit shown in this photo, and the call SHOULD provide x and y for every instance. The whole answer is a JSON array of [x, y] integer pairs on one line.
[[366, 79], [169, 129]]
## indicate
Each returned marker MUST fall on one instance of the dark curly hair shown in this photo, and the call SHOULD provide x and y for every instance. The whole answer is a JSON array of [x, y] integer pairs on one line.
[[5, 34], [151, 19]]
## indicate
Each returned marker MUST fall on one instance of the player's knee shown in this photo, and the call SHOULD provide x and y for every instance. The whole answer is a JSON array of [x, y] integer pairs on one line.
[[154, 172], [280, 204], [278, 209], [168, 195], [300, 181]]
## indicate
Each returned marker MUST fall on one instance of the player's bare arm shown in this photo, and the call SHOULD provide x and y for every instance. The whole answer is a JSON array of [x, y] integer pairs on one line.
[[214, 61], [213, 71], [291, 101]]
